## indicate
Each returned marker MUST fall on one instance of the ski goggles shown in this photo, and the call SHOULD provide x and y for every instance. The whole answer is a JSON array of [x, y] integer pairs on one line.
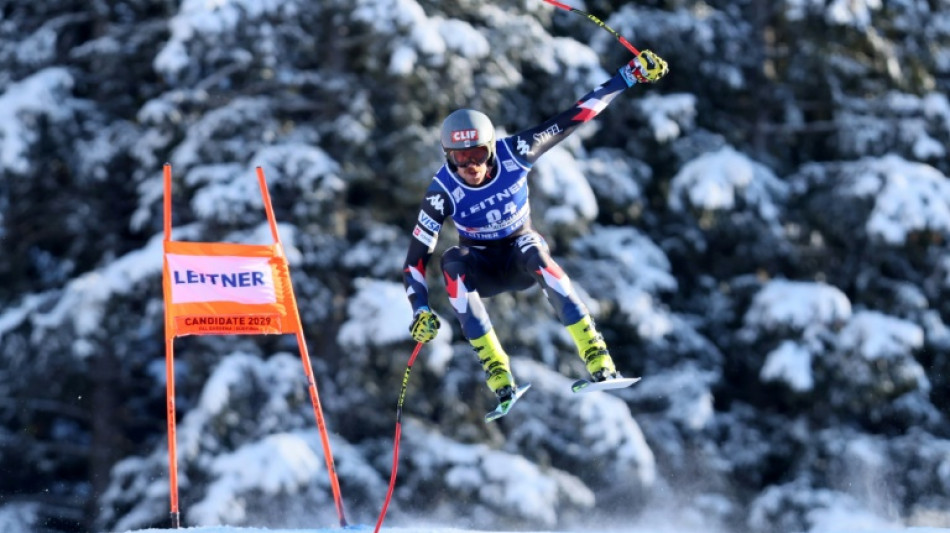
[[468, 156]]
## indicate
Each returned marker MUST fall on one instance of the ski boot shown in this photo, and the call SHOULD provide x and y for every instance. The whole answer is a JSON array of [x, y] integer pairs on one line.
[[494, 362], [593, 350]]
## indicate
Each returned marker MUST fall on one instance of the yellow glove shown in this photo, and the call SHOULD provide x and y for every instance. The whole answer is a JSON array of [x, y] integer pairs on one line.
[[645, 68], [425, 325]]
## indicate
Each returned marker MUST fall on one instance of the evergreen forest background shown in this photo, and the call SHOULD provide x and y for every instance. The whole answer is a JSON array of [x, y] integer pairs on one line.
[[762, 236]]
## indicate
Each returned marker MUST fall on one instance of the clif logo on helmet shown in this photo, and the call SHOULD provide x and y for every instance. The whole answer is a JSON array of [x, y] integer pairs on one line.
[[464, 135]]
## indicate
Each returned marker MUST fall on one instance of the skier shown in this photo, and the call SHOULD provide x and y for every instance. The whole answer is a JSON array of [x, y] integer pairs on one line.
[[483, 186]]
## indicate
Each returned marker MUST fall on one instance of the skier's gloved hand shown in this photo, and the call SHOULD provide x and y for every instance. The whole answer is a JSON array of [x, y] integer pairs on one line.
[[645, 68], [425, 325]]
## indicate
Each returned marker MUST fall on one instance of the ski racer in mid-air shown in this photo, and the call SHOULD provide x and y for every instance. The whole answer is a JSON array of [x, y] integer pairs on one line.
[[483, 187]]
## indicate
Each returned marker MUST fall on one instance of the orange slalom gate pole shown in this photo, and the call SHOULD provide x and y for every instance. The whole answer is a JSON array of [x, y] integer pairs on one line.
[[307, 367], [174, 514]]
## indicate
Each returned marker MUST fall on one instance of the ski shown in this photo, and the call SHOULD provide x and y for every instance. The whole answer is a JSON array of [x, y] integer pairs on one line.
[[504, 407], [583, 385]]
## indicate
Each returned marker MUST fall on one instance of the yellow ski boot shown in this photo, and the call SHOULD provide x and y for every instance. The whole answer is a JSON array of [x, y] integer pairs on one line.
[[494, 361], [593, 350]]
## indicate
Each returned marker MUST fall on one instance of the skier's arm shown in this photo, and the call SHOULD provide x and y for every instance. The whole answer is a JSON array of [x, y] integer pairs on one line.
[[425, 234], [529, 145]]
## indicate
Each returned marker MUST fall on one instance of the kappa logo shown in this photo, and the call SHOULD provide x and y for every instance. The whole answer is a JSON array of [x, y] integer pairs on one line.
[[458, 194], [523, 147], [464, 135], [437, 203]]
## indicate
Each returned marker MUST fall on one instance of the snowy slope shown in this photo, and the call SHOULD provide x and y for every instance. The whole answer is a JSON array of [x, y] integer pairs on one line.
[[846, 526]]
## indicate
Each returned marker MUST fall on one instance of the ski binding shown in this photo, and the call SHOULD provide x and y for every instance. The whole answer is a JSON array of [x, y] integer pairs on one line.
[[506, 406]]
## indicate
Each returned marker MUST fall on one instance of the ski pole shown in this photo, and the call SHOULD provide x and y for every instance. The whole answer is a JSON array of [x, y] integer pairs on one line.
[[598, 22], [402, 398]]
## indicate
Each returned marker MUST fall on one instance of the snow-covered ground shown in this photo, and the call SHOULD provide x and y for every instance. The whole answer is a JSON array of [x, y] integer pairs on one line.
[[844, 527]]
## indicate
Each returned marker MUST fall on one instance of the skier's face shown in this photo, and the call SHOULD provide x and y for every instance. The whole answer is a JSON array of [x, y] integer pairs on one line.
[[472, 164]]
